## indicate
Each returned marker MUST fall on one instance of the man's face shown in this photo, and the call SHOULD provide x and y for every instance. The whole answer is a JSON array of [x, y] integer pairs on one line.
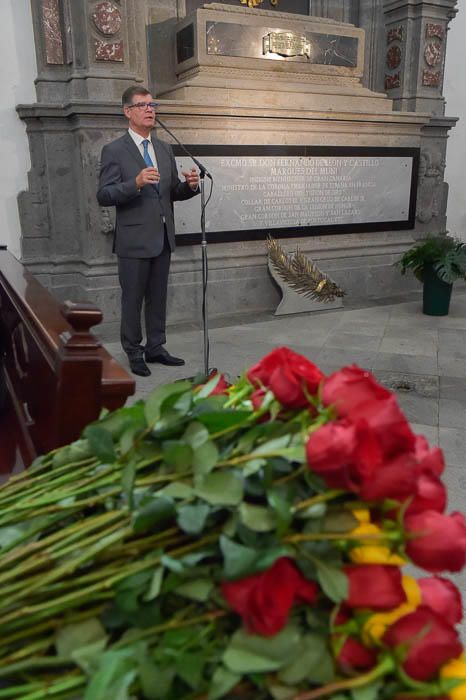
[[140, 115]]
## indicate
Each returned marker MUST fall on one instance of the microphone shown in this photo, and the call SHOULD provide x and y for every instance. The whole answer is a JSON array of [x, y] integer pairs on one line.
[[202, 169]]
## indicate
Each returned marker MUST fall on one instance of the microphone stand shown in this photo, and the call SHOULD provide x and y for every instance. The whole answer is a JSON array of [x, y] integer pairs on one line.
[[205, 268]]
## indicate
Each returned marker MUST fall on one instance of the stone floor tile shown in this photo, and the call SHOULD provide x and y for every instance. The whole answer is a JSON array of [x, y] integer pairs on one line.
[[338, 339], [453, 388], [452, 413], [409, 346], [452, 340], [405, 363], [453, 443], [419, 409], [452, 364]]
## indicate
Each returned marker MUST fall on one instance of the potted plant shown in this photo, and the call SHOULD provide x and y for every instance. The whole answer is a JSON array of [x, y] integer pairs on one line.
[[437, 262]]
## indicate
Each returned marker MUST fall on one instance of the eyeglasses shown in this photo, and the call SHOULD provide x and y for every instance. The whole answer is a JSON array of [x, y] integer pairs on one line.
[[143, 105]]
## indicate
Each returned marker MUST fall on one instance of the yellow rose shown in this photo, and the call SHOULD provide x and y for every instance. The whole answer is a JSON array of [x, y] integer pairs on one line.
[[375, 551], [455, 669], [374, 628]]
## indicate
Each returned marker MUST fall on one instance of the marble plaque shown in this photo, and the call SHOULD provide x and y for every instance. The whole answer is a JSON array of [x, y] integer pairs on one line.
[[228, 39], [303, 193]]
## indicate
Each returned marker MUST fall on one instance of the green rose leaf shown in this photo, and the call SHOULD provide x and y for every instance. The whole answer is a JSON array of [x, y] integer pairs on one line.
[[156, 682], [100, 442], [177, 454], [208, 387], [205, 458], [74, 636], [158, 510], [222, 681], [223, 419], [116, 672], [238, 559], [250, 653], [154, 403], [191, 518], [128, 476], [155, 584], [333, 581], [340, 521], [221, 488], [367, 692], [278, 500], [196, 435], [178, 490], [198, 589], [190, 667], [257, 518], [312, 655]]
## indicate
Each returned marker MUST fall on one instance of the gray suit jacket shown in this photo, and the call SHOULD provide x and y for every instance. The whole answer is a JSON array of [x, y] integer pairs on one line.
[[140, 215]]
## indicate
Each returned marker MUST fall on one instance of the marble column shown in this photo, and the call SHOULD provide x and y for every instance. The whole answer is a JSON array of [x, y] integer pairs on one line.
[[340, 10], [416, 34]]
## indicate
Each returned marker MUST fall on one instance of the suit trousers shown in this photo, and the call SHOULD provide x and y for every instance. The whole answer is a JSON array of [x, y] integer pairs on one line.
[[144, 281]]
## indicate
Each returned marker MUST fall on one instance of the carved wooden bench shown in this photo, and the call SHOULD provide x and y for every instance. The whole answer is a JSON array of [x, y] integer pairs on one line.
[[55, 376]]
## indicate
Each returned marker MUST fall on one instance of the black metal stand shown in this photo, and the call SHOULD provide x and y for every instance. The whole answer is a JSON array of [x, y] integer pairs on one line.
[[205, 267]]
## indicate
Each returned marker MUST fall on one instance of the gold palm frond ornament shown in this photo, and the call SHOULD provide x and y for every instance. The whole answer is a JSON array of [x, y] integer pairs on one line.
[[256, 3], [301, 274]]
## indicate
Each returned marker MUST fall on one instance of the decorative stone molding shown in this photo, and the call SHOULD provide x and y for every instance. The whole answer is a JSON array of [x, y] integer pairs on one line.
[[392, 81], [431, 79], [108, 51], [395, 34], [393, 57], [107, 18]]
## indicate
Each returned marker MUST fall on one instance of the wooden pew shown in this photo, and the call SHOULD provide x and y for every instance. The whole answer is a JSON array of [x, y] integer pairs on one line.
[[55, 376]]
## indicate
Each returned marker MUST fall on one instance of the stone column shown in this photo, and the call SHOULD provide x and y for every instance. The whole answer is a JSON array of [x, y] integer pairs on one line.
[[87, 49], [371, 19], [416, 33], [340, 10]]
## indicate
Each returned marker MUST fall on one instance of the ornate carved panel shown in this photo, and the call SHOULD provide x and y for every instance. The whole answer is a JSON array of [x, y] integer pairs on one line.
[[395, 34], [431, 78], [393, 57], [392, 81], [435, 30], [107, 18], [433, 53]]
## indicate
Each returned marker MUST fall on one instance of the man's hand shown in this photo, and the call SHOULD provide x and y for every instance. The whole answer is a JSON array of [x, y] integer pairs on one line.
[[148, 176], [192, 178]]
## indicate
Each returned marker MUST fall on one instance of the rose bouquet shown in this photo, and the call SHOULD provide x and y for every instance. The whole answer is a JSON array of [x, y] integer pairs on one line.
[[235, 541]]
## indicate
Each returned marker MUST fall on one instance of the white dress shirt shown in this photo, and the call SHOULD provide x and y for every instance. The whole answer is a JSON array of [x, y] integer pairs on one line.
[[138, 139]]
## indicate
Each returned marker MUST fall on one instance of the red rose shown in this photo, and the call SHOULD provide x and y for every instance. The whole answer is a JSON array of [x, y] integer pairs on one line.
[[443, 597], [431, 459], [354, 656], [438, 541], [429, 642], [403, 478], [343, 453], [288, 375], [220, 387], [374, 586], [389, 424], [395, 480], [350, 387], [264, 600], [430, 494]]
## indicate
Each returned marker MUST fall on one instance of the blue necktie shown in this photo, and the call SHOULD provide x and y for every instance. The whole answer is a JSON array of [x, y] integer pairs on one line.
[[148, 159]]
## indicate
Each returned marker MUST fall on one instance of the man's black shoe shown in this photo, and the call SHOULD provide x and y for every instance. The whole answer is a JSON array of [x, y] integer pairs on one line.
[[164, 358], [139, 367]]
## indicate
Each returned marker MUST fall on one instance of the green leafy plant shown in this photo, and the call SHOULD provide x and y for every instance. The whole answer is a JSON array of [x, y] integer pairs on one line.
[[447, 255]]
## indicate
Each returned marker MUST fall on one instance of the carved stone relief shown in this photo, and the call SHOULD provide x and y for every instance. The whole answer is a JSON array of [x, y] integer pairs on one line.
[[393, 57], [395, 34], [433, 54], [431, 170], [107, 20], [392, 81]]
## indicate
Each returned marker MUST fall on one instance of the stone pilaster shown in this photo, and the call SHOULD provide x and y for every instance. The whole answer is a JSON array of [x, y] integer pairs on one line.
[[416, 34], [88, 49], [339, 10]]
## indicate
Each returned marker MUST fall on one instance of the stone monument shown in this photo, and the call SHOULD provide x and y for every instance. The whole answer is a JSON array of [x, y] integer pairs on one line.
[[277, 104]]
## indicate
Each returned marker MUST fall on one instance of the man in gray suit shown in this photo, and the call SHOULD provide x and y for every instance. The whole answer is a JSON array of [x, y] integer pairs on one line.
[[138, 176]]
